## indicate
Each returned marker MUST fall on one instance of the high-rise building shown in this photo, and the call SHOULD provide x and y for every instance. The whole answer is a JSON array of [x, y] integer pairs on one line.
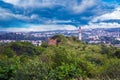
[[80, 33]]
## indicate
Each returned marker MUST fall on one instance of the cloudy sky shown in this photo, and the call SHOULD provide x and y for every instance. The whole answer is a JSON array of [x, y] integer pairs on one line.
[[40, 15]]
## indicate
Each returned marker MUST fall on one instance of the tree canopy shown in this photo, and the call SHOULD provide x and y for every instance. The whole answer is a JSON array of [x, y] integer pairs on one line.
[[71, 60]]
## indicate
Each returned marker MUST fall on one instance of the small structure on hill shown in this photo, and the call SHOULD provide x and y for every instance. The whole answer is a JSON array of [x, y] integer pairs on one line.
[[53, 42]]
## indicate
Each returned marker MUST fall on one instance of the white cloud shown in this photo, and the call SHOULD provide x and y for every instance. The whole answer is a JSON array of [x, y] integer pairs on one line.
[[6, 14], [12, 1], [62, 21], [85, 4], [34, 16], [101, 25], [74, 5], [60, 27], [57, 21], [115, 15], [40, 28], [3, 14], [31, 3]]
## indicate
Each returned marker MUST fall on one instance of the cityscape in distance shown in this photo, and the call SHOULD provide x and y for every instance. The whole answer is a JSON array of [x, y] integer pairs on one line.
[[108, 36]]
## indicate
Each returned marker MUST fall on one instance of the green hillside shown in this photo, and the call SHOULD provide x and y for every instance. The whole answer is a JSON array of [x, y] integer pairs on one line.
[[70, 59]]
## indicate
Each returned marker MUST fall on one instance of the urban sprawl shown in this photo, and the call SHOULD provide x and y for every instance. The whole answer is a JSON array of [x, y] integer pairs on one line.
[[106, 36]]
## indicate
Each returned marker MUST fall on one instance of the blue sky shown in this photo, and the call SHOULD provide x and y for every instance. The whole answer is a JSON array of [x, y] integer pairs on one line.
[[39, 15]]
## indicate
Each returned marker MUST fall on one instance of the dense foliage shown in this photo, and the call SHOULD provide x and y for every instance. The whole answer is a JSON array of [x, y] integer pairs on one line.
[[70, 60]]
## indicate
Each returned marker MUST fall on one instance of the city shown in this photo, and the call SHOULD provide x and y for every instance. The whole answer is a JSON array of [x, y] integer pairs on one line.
[[108, 36]]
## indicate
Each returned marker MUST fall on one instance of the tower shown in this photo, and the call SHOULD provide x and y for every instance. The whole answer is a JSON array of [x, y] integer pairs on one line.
[[80, 33]]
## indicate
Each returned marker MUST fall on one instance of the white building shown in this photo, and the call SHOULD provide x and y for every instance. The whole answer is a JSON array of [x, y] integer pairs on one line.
[[80, 33]]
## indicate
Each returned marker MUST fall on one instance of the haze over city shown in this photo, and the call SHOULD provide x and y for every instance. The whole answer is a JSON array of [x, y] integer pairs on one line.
[[44, 15]]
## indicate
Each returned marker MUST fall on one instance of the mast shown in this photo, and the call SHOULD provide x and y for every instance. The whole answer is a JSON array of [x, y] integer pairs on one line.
[[80, 33]]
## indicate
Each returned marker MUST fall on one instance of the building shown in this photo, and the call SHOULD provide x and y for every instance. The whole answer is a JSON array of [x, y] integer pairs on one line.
[[80, 33]]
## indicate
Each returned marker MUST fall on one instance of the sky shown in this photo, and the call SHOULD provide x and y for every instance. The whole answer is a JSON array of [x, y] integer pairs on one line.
[[43, 15]]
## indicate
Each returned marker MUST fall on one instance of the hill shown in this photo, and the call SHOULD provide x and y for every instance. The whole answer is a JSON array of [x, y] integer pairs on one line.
[[71, 59]]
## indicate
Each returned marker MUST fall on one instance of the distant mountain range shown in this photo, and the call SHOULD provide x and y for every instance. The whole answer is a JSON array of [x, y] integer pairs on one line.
[[113, 29]]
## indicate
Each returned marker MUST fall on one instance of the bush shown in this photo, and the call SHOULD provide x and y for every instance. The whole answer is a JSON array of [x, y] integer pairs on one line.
[[111, 69]]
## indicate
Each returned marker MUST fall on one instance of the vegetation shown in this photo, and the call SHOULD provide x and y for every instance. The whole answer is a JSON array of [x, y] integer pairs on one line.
[[70, 60]]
